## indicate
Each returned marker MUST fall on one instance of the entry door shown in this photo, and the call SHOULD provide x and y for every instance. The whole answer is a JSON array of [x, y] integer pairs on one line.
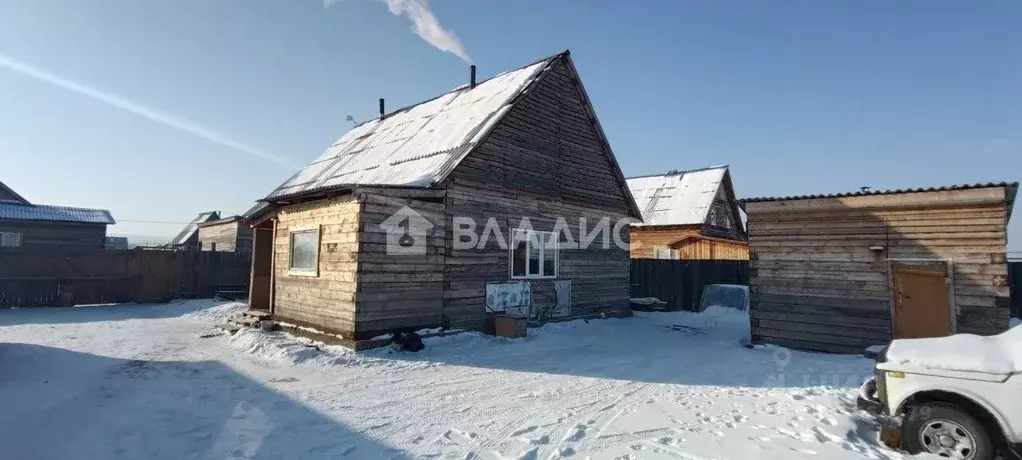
[[260, 290], [921, 307]]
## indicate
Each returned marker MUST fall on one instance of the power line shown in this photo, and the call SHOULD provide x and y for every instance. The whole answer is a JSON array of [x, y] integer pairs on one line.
[[150, 221]]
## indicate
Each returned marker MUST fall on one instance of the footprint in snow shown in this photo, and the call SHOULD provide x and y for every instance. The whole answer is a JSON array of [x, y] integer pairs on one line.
[[828, 421], [527, 429], [576, 434]]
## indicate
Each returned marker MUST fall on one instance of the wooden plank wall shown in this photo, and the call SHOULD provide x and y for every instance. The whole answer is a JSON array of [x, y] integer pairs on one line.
[[57, 236], [644, 238], [544, 160], [400, 291], [599, 277], [224, 237], [46, 278], [680, 283], [816, 284], [712, 249], [326, 301]]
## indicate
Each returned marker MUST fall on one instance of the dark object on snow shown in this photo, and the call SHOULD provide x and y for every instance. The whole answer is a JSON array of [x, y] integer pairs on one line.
[[406, 341]]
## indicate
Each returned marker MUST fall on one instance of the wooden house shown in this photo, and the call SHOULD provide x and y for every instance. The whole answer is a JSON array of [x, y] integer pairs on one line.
[[230, 234], [44, 227], [688, 215], [838, 273], [428, 214], [188, 237]]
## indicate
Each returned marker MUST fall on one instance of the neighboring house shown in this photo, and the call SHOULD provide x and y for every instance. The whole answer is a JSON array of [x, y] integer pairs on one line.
[[838, 273], [403, 223], [688, 215], [188, 237], [230, 234], [38, 226]]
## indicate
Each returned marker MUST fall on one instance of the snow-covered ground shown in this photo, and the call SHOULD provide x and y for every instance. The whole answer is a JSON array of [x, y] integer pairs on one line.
[[140, 381]]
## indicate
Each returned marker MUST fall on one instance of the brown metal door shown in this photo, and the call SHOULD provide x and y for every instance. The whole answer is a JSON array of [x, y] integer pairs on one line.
[[921, 307]]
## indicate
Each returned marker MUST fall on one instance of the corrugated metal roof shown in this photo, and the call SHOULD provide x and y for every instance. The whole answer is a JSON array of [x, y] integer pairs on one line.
[[678, 197], [416, 145], [17, 211], [193, 227], [1013, 185]]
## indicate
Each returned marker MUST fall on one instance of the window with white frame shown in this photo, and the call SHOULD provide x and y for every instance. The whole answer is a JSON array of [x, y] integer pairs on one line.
[[303, 255], [533, 254], [10, 240], [663, 252]]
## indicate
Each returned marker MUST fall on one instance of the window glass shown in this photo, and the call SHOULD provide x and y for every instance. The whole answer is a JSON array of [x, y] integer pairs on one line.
[[304, 245]]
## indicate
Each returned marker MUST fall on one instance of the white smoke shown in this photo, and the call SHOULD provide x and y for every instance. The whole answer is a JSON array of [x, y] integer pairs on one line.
[[425, 24]]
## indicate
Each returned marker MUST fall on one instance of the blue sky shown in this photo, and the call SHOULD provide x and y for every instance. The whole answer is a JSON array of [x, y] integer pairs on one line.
[[797, 96]]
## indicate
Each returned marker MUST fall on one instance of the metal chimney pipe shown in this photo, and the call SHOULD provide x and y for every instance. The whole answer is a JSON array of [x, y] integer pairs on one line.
[[382, 111], [471, 76]]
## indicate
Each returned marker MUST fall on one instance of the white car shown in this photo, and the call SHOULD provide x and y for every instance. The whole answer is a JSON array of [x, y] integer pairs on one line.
[[957, 397]]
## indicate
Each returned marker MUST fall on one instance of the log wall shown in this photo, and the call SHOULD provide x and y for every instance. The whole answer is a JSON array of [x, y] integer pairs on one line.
[[325, 300], [816, 284], [546, 159], [403, 289]]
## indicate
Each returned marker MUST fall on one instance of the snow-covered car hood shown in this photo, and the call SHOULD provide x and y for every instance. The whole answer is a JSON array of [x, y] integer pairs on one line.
[[1000, 354]]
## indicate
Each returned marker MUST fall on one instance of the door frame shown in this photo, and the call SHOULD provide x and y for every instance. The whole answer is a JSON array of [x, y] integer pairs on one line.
[[950, 277]]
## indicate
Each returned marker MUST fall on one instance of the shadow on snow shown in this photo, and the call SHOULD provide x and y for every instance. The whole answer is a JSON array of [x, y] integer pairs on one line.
[[63, 404]]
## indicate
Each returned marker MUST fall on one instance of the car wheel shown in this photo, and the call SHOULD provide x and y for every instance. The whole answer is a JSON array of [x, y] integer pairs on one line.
[[947, 431]]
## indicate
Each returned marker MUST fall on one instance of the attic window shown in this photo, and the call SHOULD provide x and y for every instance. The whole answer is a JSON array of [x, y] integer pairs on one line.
[[720, 216]]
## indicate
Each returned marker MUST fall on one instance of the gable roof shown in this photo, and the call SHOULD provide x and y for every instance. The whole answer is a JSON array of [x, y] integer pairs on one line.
[[412, 146], [20, 211], [193, 226], [420, 145], [9, 191], [677, 197]]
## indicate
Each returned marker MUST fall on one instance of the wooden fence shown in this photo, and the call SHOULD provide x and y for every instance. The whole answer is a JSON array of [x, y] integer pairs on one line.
[[680, 282], [35, 279], [1015, 281]]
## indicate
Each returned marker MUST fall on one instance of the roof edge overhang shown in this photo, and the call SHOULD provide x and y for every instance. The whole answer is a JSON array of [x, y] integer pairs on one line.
[[962, 195]]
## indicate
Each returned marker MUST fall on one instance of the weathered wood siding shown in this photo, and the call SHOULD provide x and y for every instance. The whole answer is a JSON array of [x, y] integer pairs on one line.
[[709, 249], [599, 276], [232, 236], [36, 235], [815, 283], [400, 290], [545, 160], [327, 300], [644, 238]]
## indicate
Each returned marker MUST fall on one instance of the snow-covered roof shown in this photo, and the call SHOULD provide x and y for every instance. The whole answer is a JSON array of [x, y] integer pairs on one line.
[[17, 211], [678, 197], [416, 145], [193, 227]]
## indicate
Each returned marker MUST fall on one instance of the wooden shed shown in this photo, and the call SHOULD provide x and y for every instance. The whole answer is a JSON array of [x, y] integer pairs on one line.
[[838, 273], [438, 213], [230, 234]]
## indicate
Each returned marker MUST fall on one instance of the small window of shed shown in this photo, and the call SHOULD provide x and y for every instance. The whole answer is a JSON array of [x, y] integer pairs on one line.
[[303, 255]]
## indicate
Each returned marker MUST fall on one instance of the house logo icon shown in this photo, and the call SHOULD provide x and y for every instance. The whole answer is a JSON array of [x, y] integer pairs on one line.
[[406, 232]]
